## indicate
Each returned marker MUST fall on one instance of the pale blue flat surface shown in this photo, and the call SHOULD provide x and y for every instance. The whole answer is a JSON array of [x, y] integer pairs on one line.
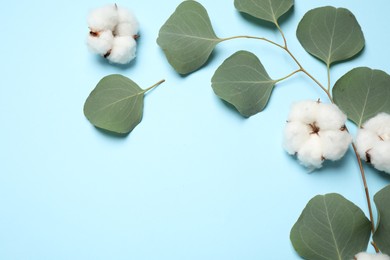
[[194, 180]]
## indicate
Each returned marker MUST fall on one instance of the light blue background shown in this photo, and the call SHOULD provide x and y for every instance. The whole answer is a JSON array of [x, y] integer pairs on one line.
[[194, 180]]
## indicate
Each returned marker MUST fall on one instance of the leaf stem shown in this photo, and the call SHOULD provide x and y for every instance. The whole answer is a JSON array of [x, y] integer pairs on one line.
[[281, 33], [289, 75], [155, 85], [328, 72], [252, 37], [309, 75]]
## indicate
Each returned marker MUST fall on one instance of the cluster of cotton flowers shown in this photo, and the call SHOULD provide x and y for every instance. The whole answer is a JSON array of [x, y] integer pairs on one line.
[[113, 33], [366, 256], [373, 142], [316, 132]]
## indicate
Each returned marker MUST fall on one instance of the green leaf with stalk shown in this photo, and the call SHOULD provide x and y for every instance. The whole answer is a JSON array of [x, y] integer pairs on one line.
[[242, 81], [187, 37], [330, 34], [116, 104]]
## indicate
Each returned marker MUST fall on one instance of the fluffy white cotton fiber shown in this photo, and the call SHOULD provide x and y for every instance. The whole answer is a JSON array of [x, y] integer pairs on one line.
[[113, 31], [373, 142], [367, 256], [316, 132], [123, 50]]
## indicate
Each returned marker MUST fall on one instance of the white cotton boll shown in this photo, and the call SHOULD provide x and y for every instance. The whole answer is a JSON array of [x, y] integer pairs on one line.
[[373, 142], [127, 21], [365, 141], [310, 154], [103, 18], [126, 29], [102, 43], [380, 156], [366, 256], [304, 111], [334, 144], [315, 132], [330, 117], [379, 124], [295, 135], [123, 50]]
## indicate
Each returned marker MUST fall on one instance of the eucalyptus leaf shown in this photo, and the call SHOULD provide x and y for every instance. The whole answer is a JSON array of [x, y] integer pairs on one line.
[[269, 10], [115, 105], [187, 37], [242, 81], [330, 34], [382, 234], [330, 227], [362, 93]]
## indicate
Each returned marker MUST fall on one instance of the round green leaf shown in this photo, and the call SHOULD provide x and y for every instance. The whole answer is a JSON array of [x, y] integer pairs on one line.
[[382, 234], [116, 104], [330, 227], [330, 34], [187, 37], [362, 93], [242, 81], [269, 10]]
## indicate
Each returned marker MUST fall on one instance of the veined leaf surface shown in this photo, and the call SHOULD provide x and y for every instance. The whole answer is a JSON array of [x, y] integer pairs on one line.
[[382, 233], [330, 34], [362, 93], [116, 104], [330, 227], [242, 81], [187, 37], [269, 10]]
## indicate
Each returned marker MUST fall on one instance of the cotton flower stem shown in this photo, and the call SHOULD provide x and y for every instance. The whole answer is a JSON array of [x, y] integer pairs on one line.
[[155, 85], [367, 194]]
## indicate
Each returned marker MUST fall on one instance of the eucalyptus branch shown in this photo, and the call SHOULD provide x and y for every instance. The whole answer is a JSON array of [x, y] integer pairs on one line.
[[327, 91], [231, 72]]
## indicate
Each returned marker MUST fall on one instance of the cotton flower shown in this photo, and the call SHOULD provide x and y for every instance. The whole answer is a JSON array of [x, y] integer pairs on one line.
[[316, 132], [373, 142], [113, 31], [366, 256]]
